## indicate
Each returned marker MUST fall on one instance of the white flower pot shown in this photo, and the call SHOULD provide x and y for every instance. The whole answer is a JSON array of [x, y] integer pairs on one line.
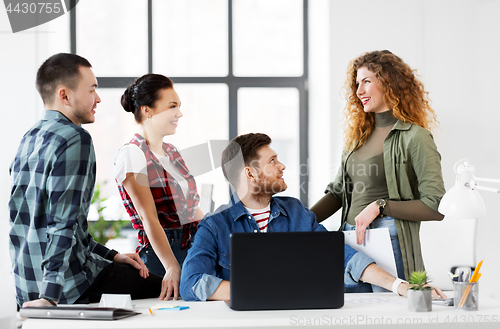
[[419, 300]]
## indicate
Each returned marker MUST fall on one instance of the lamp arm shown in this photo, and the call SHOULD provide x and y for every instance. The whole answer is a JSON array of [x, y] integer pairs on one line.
[[489, 189], [490, 180]]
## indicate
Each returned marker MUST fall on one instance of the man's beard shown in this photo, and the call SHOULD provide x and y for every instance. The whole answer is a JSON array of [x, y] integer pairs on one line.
[[84, 116], [267, 189]]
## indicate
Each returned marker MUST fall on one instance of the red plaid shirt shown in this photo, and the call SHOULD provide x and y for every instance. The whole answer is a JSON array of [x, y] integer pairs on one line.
[[167, 194]]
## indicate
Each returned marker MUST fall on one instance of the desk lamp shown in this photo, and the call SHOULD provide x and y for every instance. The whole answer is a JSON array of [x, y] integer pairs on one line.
[[463, 201]]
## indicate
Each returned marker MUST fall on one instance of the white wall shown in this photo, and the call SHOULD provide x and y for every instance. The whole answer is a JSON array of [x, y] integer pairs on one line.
[[462, 78], [454, 46], [18, 101], [22, 53]]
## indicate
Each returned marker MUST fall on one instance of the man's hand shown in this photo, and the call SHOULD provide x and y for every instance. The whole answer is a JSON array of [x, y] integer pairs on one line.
[[170, 283], [436, 292], [223, 292], [403, 289], [38, 303], [134, 260]]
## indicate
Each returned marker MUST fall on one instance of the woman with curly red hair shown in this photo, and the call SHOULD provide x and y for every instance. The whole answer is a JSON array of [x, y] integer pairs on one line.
[[391, 168]]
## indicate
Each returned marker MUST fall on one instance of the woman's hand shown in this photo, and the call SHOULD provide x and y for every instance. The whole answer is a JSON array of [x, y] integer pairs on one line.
[[170, 283], [364, 219]]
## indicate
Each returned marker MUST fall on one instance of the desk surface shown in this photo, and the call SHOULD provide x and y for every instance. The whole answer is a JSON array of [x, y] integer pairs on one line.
[[360, 310]]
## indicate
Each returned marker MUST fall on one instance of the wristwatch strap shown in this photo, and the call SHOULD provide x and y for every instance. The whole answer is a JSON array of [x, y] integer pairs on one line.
[[50, 301], [381, 207], [111, 254], [396, 284]]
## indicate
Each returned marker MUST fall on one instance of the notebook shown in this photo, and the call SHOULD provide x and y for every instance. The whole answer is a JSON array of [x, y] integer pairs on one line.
[[287, 270], [76, 312]]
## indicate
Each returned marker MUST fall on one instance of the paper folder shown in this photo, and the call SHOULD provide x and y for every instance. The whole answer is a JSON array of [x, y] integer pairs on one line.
[[81, 313]]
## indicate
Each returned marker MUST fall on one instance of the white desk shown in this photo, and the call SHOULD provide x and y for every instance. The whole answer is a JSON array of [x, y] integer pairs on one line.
[[360, 310]]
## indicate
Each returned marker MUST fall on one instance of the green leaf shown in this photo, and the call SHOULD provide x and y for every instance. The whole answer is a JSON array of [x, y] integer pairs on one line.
[[418, 279]]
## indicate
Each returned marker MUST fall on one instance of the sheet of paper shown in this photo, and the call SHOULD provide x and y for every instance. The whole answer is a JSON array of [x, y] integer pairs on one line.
[[377, 245], [158, 306], [358, 299]]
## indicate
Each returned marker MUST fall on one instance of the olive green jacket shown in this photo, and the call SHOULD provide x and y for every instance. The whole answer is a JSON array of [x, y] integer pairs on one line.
[[413, 172]]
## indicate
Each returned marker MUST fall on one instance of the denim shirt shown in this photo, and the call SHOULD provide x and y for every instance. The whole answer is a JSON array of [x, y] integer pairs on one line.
[[207, 263]]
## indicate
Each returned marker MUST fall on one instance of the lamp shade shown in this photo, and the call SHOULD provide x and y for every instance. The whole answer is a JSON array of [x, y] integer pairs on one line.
[[463, 203]]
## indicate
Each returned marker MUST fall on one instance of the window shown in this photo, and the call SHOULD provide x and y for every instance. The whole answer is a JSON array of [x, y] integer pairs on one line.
[[111, 34], [190, 38], [267, 38], [238, 65], [280, 108]]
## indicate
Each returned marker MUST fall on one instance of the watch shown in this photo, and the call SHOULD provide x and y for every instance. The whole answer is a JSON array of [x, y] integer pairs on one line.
[[396, 284], [50, 301], [381, 205]]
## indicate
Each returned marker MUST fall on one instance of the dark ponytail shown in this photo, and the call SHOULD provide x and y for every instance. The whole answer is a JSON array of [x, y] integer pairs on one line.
[[145, 91]]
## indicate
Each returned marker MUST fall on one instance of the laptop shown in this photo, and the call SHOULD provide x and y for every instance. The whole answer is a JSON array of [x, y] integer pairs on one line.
[[287, 270]]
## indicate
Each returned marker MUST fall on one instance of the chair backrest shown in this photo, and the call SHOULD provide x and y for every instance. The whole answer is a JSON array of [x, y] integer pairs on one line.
[[206, 202]]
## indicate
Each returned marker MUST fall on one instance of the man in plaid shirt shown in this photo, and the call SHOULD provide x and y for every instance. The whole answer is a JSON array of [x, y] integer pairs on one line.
[[54, 258]]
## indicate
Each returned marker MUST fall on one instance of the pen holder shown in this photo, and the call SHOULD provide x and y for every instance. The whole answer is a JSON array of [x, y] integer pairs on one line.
[[466, 296]]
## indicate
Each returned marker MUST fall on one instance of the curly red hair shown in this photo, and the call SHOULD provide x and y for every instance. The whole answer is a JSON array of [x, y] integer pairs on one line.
[[404, 95]]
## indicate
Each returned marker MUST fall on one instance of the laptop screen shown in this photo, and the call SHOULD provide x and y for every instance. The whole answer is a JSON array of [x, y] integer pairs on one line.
[[287, 270]]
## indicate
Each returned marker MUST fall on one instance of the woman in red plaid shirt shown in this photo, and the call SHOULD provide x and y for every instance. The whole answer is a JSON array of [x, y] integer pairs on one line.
[[157, 189]]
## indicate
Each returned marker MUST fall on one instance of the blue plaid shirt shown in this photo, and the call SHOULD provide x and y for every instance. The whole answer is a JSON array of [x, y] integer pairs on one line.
[[53, 176]]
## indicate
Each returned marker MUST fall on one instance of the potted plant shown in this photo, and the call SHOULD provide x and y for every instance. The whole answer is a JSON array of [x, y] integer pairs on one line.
[[103, 230], [419, 293]]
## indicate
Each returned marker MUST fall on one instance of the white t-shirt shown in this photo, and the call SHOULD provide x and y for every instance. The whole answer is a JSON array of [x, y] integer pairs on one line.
[[131, 159]]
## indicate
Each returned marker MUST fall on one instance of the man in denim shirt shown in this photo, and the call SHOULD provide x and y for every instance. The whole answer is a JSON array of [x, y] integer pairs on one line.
[[255, 173]]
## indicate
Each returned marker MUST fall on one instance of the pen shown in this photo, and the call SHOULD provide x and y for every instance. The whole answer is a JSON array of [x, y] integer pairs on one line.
[[453, 277], [475, 276], [177, 308], [150, 311]]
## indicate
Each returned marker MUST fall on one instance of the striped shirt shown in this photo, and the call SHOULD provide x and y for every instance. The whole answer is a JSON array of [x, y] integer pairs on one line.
[[53, 176], [261, 217]]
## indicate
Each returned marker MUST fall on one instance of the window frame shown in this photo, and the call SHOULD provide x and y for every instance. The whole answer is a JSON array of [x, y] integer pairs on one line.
[[233, 83]]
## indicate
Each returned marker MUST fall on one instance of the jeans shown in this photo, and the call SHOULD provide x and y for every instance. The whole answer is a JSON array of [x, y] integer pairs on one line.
[[393, 233], [117, 278], [153, 263]]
